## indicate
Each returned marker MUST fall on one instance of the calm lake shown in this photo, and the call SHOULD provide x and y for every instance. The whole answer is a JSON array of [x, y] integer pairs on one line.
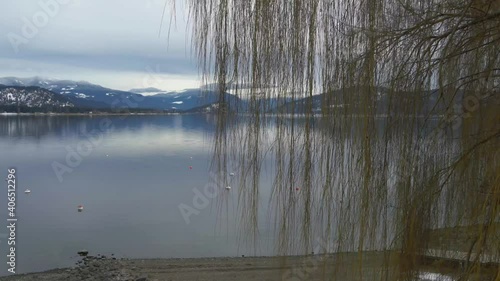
[[150, 188], [130, 174]]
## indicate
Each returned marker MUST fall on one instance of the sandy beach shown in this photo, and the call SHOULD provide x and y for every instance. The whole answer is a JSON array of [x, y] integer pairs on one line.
[[345, 266]]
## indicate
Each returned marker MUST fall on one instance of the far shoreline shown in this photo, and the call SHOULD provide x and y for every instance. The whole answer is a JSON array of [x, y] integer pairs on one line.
[[5, 114], [284, 115]]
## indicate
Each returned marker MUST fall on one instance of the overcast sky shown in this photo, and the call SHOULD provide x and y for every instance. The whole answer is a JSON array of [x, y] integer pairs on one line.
[[114, 43]]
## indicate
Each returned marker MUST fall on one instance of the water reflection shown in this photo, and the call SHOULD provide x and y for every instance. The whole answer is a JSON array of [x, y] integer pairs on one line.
[[299, 187], [131, 183], [39, 127], [362, 184]]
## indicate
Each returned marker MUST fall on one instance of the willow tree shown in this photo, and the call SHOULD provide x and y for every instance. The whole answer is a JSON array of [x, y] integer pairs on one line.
[[385, 113]]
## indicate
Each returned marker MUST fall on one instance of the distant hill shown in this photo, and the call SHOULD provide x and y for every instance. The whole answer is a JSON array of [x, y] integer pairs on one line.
[[146, 90], [31, 97], [337, 100], [54, 93], [85, 94], [187, 99]]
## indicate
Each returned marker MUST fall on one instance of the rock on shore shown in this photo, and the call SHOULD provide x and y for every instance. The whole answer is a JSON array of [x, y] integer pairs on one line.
[[89, 268]]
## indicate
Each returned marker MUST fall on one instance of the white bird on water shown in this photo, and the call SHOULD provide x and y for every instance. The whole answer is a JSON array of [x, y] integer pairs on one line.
[[228, 187], [231, 174], [27, 191]]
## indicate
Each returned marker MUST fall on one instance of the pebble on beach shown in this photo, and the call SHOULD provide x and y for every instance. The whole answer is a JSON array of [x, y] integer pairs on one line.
[[102, 268]]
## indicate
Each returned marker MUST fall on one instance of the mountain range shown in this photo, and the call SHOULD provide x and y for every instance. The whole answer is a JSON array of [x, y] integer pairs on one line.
[[82, 94], [42, 95]]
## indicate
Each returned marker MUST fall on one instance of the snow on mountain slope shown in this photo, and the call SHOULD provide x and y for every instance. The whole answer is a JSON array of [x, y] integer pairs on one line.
[[31, 97], [85, 94]]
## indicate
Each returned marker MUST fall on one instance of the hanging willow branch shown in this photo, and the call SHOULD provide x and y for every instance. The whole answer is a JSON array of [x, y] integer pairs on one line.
[[430, 68]]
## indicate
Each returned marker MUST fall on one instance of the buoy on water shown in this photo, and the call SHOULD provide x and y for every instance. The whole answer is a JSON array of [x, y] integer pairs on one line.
[[27, 191], [228, 187], [297, 189], [80, 208], [190, 167]]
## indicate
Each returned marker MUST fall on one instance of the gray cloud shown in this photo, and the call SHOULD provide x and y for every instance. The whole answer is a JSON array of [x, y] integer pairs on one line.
[[112, 38]]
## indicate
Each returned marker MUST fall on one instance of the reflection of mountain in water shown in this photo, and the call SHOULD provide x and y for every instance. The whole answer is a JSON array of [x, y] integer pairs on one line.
[[61, 126]]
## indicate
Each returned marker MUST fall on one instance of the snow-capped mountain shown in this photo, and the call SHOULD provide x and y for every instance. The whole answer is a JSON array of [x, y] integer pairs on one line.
[[31, 97], [187, 99], [147, 91], [85, 94], [81, 93], [31, 81]]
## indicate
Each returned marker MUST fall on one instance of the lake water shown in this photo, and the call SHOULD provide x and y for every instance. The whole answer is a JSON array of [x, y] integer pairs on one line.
[[130, 174], [149, 187]]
